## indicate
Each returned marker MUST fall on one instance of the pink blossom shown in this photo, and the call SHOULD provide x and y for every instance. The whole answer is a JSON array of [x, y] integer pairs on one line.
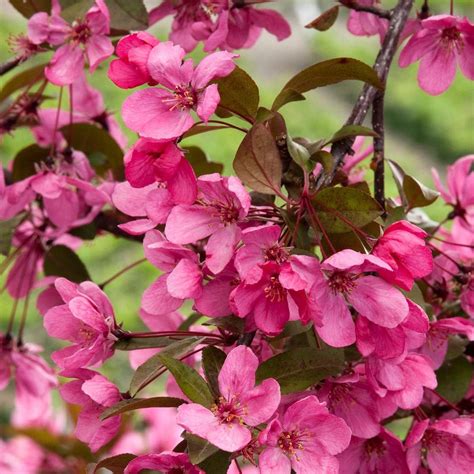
[[148, 162], [403, 247], [165, 113], [87, 320], [93, 393], [182, 278], [34, 380], [222, 203], [240, 406], [444, 446], [341, 281], [459, 192], [382, 454], [442, 42], [401, 382], [89, 33], [356, 174], [130, 69], [305, 439], [166, 462], [436, 345], [367, 24]]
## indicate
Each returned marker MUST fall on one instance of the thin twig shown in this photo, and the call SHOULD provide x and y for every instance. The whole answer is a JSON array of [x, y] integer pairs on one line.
[[9, 64], [378, 161], [354, 5]]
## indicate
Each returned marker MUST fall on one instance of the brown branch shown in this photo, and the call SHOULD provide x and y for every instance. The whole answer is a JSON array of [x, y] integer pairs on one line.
[[354, 5], [398, 19], [378, 161], [10, 64]]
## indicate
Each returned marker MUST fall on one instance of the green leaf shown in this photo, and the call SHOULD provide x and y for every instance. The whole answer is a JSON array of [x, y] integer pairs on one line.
[[126, 15], [336, 205], [456, 346], [239, 94], [198, 160], [212, 361], [72, 10], [149, 370], [199, 449], [25, 161], [454, 379], [138, 403], [351, 131], [85, 232], [189, 380], [6, 233], [29, 8], [189, 321], [231, 323], [92, 140], [324, 74], [257, 162], [325, 20], [116, 464], [61, 261], [217, 463], [299, 368], [22, 79]]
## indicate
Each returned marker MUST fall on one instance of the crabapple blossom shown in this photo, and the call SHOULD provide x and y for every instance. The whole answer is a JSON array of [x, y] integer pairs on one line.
[[164, 113], [241, 404], [167, 462], [304, 439]]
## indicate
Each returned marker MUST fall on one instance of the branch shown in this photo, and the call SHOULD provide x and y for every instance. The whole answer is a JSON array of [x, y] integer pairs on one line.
[[10, 64], [378, 161], [353, 5], [398, 19]]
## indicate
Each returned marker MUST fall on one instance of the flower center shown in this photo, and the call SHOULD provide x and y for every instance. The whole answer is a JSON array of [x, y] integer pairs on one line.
[[451, 38], [86, 334], [292, 441], [339, 393], [340, 282], [80, 32], [183, 98], [276, 253], [229, 411], [274, 291], [375, 447]]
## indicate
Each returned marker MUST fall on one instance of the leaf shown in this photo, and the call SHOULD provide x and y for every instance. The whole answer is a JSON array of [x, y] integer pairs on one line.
[[29, 8], [7, 228], [299, 154], [217, 463], [239, 94], [25, 161], [137, 343], [72, 10], [199, 449], [116, 464], [189, 380], [126, 15], [198, 129], [85, 232], [91, 140], [257, 162], [324, 74], [25, 78], [149, 370], [189, 321], [61, 261], [198, 160], [212, 361], [299, 368], [454, 379], [351, 131], [336, 205], [325, 20], [229, 323], [139, 403]]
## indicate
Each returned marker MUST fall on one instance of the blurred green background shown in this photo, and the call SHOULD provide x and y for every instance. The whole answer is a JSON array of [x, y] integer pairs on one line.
[[422, 131]]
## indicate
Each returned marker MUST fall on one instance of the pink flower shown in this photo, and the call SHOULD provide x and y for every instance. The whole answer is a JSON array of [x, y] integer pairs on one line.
[[166, 462], [445, 446], [165, 114], [459, 192], [367, 24], [94, 393], [87, 320], [442, 42], [240, 406], [436, 345], [34, 381], [130, 69], [404, 248], [222, 203], [305, 439], [382, 454], [89, 33], [401, 382], [148, 162], [182, 278], [341, 280], [356, 174]]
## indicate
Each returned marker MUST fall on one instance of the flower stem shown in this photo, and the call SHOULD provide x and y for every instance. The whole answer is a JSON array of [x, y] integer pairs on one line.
[[121, 272]]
